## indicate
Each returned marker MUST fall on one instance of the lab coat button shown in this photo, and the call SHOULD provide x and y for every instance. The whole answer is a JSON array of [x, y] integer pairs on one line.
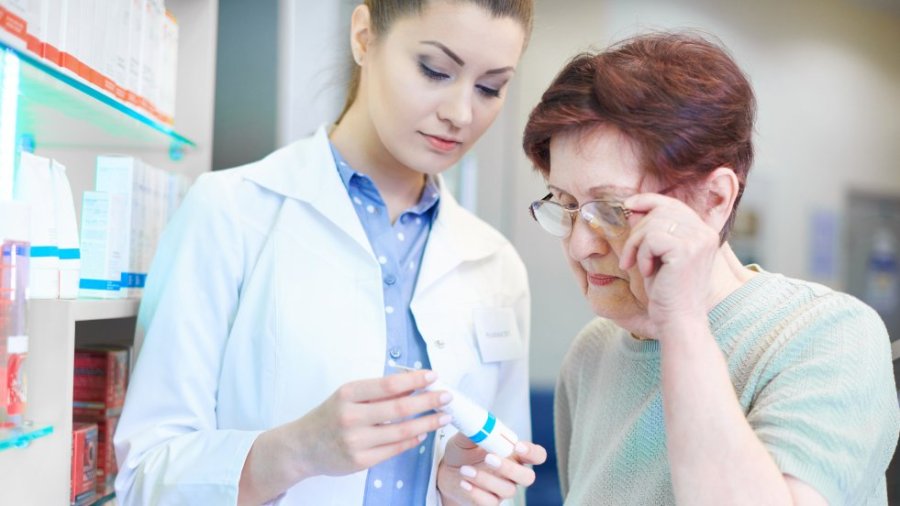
[[395, 352], [440, 343]]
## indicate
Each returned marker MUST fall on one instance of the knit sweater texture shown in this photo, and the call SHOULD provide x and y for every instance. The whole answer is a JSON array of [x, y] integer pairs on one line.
[[811, 369]]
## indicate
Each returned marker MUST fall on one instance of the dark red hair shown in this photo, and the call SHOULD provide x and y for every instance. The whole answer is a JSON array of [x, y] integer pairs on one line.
[[680, 99]]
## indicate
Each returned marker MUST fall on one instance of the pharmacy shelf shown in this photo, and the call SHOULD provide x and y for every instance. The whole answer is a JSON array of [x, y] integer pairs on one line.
[[21, 437], [61, 110], [50, 369]]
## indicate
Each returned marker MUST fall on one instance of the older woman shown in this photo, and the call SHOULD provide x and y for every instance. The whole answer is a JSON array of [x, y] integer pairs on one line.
[[704, 381]]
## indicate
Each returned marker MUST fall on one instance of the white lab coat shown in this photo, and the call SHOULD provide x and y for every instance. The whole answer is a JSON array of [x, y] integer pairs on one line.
[[265, 296]]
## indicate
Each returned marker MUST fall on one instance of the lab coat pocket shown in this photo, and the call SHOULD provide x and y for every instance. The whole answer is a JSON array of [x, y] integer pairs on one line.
[[451, 337]]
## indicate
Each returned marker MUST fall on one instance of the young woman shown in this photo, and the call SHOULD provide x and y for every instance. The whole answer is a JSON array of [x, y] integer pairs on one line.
[[286, 292], [704, 381]]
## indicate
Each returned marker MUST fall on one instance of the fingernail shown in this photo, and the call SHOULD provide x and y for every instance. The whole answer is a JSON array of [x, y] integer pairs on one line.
[[430, 376], [446, 397], [493, 461], [422, 437], [444, 420], [465, 485], [521, 448], [468, 471]]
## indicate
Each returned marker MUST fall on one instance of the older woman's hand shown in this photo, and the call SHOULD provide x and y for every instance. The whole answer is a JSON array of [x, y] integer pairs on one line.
[[674, 250]]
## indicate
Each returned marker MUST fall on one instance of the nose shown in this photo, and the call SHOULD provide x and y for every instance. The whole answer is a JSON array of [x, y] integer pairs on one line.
[[585, 241], [456, 108]]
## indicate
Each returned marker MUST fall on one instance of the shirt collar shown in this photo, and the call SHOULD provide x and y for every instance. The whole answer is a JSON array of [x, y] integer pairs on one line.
[[353, 180]]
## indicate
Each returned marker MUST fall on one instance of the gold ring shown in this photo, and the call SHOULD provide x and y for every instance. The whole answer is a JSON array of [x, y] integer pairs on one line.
[[672, 227]]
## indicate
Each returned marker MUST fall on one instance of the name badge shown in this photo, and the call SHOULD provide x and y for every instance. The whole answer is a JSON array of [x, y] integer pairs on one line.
[[497, 334]]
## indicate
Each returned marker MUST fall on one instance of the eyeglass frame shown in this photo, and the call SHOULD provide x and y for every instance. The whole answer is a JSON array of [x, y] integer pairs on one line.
[[614, 203]]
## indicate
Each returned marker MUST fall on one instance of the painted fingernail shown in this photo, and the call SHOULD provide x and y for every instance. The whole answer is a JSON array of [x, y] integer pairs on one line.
[[493, 461], [445, 419], [446, 397], [521, 447], [465, 485], [430, 376], [468, 471], [422, 437]]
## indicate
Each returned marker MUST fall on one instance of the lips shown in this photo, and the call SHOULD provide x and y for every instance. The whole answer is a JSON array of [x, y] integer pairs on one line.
[[443, 144], [601, 279]]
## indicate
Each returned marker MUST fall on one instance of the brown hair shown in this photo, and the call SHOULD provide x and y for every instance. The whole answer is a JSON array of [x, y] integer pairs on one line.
[[681, 100], [384, 13]]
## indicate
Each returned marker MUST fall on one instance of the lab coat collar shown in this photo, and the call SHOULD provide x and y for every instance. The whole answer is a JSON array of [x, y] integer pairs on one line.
[[305, 170]]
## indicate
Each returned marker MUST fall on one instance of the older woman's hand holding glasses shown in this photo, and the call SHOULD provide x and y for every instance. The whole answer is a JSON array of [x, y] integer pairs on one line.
[[659, 237]]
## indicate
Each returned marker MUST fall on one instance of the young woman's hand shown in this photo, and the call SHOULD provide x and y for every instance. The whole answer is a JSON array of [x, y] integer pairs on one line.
[[469, 475], [366, 422]]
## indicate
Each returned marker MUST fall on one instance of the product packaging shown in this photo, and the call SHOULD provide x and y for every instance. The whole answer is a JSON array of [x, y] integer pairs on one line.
[[101, 379], [14, 221], [84, 464], [34, 185], [102, 244], [124, 175], [69, 249]]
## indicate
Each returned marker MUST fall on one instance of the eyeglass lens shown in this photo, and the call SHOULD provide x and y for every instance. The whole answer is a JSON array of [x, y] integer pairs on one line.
[[558, 220]]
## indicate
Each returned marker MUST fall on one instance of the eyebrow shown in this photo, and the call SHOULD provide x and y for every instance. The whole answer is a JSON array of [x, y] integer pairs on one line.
[[459, 61], [601, 190]]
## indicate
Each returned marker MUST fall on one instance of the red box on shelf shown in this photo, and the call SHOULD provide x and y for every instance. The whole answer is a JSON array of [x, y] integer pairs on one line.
[[106, 454], [84, 463], [101, 377]]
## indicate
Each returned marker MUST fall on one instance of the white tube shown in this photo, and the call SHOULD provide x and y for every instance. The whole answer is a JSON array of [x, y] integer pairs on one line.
[[477, 423]]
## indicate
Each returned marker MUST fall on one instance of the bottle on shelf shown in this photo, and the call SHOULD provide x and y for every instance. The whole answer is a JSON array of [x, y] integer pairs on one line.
[[14, 255]]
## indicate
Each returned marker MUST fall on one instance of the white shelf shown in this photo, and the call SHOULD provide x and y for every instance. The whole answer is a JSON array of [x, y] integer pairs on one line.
[[50, 368], [73, 123], [86, 309]]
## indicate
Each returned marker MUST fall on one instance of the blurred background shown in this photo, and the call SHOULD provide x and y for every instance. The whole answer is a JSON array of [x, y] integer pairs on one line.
[[823, 198]]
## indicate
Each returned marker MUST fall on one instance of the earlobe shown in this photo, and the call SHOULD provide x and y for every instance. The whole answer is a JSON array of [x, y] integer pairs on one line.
[[722, 190], [360, 28]]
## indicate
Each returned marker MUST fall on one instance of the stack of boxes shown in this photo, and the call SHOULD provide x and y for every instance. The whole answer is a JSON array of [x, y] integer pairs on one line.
[[127, 48], [84, 464], [101, 378], [121, 223]]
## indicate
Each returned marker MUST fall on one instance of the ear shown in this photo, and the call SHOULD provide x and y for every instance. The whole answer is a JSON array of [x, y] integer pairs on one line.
[[722, 188], [360, 32]]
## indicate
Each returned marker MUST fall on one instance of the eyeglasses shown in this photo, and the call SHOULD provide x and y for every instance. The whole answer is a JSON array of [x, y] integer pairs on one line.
[[607, 215]]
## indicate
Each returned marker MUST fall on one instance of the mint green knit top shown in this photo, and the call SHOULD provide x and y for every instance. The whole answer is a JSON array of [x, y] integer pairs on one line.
[[811, 369]]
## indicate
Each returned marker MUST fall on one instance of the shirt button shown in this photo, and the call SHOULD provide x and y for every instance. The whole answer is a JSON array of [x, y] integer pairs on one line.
[[395, 352], [390, 279]]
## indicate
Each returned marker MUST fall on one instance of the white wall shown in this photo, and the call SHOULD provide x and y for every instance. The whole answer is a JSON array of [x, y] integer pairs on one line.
[[827, 78], [314, 58]]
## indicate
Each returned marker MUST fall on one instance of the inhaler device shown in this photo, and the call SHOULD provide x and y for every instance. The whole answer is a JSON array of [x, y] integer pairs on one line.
[[477, 423]]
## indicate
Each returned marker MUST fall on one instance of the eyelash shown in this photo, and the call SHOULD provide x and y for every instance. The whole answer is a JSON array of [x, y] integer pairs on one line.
[[439, 76]]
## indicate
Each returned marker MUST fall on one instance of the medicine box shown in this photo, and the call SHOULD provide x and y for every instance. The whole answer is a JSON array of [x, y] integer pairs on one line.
[[84, 463], [101, 377], [106, 454]]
